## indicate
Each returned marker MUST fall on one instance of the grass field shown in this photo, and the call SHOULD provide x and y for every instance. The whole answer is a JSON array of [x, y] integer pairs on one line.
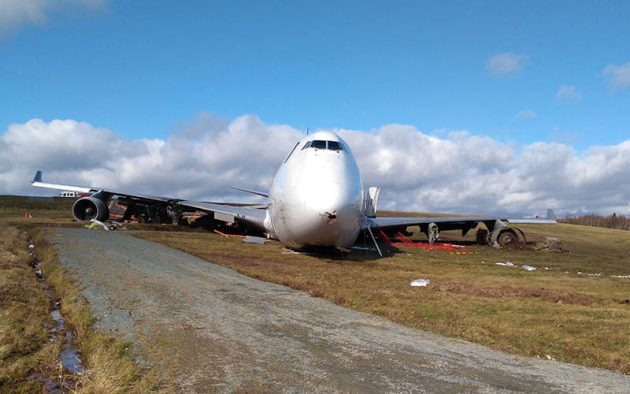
[[552, 313], [570, 309]]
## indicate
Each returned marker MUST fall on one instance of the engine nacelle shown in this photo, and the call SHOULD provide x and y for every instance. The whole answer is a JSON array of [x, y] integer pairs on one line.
[[88, 208]]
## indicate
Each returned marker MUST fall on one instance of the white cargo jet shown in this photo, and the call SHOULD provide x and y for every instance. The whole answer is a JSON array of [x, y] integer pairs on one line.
[[317, 198]]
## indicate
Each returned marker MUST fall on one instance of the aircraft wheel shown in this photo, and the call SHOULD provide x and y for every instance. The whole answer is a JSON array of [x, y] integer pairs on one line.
[[509, 239]]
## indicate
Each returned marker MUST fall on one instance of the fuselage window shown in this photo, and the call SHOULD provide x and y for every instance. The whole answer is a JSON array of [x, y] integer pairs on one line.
[[292, 150]]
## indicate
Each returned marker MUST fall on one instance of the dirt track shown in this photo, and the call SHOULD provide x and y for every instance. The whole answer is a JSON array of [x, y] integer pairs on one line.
[[209, 328]]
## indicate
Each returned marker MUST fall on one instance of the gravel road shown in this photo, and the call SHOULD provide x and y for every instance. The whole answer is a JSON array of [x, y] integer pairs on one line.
[[207, 328]]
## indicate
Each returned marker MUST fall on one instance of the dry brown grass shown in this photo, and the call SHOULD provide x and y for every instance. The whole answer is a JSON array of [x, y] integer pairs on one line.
[[570, 317], [109, 362], [24, 346]]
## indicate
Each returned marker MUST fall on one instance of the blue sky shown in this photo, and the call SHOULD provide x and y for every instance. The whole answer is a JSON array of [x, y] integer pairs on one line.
[[449, 106], [140, 68]]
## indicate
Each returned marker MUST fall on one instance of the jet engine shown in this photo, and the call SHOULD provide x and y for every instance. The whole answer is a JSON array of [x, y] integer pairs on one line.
[[88, 208]]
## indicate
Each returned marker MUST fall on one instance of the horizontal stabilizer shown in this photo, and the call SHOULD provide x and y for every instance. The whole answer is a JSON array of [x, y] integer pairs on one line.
[[531, 221]]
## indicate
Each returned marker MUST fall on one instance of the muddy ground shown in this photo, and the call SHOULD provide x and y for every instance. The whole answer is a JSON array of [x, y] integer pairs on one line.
[[207, 328]]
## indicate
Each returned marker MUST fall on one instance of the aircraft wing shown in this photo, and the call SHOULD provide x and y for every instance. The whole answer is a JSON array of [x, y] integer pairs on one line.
[[230, 213], [251, 214], [463, 223], [444, 222], [38, 182]]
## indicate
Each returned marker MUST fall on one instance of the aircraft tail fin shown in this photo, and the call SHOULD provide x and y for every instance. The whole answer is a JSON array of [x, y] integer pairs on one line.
[[37, 177]]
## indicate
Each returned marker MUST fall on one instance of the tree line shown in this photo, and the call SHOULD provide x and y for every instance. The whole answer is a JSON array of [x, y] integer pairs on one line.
[[620, 222]]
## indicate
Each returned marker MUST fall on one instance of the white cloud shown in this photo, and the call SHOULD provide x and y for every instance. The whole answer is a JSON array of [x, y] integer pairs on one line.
[[507, 63], [619, 76], [17, 13], [568, 93], [526, 114], [461, 172]]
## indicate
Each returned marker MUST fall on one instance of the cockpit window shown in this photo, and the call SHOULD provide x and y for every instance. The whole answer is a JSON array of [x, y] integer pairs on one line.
[[319, 144], [334, 145]]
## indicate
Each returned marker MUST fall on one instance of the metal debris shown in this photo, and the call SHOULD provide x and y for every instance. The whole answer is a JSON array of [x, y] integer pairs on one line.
[[254, 240], [96, 223]]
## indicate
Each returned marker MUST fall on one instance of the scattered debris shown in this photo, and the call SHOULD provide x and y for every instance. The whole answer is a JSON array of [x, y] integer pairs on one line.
[[506, 264], [594, 275], [96, 223], [289, 251], [620, 276], [405, 242], [254, 240], [421, 283], [549, 244], [528, 267], [227, 235]]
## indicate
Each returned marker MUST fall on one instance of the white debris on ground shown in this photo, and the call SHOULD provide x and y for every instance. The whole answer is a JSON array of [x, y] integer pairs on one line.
[[290, 251], [620, 276], [590, 274], [420, 283], [511, 264], [254, 240]]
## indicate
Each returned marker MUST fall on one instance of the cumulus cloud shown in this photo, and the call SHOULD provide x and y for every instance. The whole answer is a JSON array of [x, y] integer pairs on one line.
[[526, 114], [461, 172], [507, 63], [619, 76], [568, 93], [17, 13]]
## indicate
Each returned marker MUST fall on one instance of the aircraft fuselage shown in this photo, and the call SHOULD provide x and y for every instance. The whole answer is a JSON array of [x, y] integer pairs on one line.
[[317, 197]]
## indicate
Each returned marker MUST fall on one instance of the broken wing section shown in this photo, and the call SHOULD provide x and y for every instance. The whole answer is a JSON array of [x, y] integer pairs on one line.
[[254, 217]]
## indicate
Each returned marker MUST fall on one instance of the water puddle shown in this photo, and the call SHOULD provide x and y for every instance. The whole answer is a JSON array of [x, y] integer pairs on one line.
[[69, 357]]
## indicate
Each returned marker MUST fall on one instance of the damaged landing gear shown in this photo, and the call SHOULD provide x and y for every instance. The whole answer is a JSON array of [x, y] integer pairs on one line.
[[507, 237]]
